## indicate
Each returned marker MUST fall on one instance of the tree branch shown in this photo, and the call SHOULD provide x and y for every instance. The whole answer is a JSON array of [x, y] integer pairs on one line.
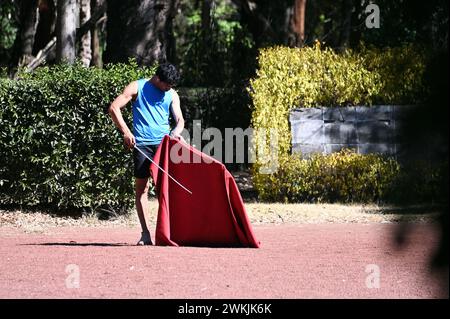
[[40, 57]]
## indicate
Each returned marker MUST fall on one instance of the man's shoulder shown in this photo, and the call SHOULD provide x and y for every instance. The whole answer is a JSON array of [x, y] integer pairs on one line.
[[139, 84], [141, 81], [131, 88]]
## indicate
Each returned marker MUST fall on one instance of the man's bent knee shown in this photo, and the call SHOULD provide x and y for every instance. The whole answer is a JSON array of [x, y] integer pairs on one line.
[[142, 186]]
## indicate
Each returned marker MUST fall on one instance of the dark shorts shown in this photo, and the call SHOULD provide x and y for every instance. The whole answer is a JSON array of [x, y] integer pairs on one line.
[[142, 164]]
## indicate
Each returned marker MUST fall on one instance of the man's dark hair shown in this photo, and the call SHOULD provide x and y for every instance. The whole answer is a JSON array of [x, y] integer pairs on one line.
[[168, 73]]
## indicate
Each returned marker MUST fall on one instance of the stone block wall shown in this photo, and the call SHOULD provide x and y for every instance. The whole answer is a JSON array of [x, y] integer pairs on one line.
[[365, 129]]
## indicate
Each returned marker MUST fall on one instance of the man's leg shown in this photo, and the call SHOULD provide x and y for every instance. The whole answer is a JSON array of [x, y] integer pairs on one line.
[[142, 187]]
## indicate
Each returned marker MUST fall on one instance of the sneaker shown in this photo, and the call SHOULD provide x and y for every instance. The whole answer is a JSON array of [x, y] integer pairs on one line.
[[145, 239]]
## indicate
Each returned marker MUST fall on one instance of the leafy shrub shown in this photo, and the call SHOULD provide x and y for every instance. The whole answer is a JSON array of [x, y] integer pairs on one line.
[[420, 181], [339, 177], [401, 71], [57, 145], [313, 76], [347, 177]]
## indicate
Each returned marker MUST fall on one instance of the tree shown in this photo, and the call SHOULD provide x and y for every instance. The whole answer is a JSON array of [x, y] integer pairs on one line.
[[66, 31], [46, 25], [207, 20], [9, 22], [85, 52], [298, 23], [265, 20], [140, 29], [212, 47], [23, 45], [98, 6], [346, 24]]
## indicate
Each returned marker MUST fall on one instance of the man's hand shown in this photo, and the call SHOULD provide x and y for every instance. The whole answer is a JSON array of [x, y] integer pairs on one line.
[[129, 141], [177, 136]]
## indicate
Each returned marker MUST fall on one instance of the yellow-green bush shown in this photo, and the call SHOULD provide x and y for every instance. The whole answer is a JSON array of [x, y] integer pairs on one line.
[[421, 181], [339, 177], [314, 76], [400, 70]]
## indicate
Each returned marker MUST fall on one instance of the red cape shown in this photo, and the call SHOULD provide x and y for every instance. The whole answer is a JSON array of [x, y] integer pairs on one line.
[[213, 215]]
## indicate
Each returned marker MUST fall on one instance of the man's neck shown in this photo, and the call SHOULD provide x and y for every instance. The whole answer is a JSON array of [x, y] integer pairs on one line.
[[155, 83], [153, 80]]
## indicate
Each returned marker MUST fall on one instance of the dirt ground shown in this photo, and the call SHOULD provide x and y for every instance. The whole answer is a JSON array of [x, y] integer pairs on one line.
[[307, 251], [258, 213]]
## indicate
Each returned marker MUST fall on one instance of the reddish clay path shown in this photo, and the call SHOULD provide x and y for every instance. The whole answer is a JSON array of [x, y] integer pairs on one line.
[[295, 261]]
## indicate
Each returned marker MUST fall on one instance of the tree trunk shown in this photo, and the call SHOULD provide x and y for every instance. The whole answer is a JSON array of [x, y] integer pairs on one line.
[[207, 7], [66, 31], [140, 29], [95, 45], [265, 20], [346, 25], [207, 28], [357, 22], [298, 23], [46, 25], [95, 37], [23, 45], [168, 30], [85, 52]]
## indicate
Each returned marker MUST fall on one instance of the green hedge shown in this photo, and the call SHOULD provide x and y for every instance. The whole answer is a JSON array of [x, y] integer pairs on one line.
[[400, 70], [288, 78], [347, 177], [58, 146], [421, 181], [339, 177]]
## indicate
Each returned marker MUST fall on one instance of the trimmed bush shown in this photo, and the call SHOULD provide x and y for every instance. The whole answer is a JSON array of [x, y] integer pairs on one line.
[[421, 181], [58, 146], [348, 177], [344, 177], [314, 76], [401, 72]]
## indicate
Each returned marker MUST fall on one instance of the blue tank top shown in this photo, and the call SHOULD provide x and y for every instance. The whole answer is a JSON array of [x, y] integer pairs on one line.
[[151, 111]]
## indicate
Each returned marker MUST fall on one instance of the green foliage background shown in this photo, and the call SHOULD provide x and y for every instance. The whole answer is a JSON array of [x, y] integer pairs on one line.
[[221, 55]]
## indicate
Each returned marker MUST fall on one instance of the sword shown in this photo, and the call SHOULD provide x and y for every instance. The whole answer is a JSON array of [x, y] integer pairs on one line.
[[187, 190]]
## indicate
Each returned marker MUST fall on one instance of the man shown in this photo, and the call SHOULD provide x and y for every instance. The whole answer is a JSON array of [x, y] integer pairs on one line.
[[152, 102]]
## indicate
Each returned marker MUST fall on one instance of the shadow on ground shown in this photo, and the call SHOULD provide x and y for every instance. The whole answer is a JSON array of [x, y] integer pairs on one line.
[[82, 244]]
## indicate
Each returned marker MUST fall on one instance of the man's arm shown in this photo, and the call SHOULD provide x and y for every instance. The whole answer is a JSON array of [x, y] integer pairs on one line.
[[178, 116], [114, 110]]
